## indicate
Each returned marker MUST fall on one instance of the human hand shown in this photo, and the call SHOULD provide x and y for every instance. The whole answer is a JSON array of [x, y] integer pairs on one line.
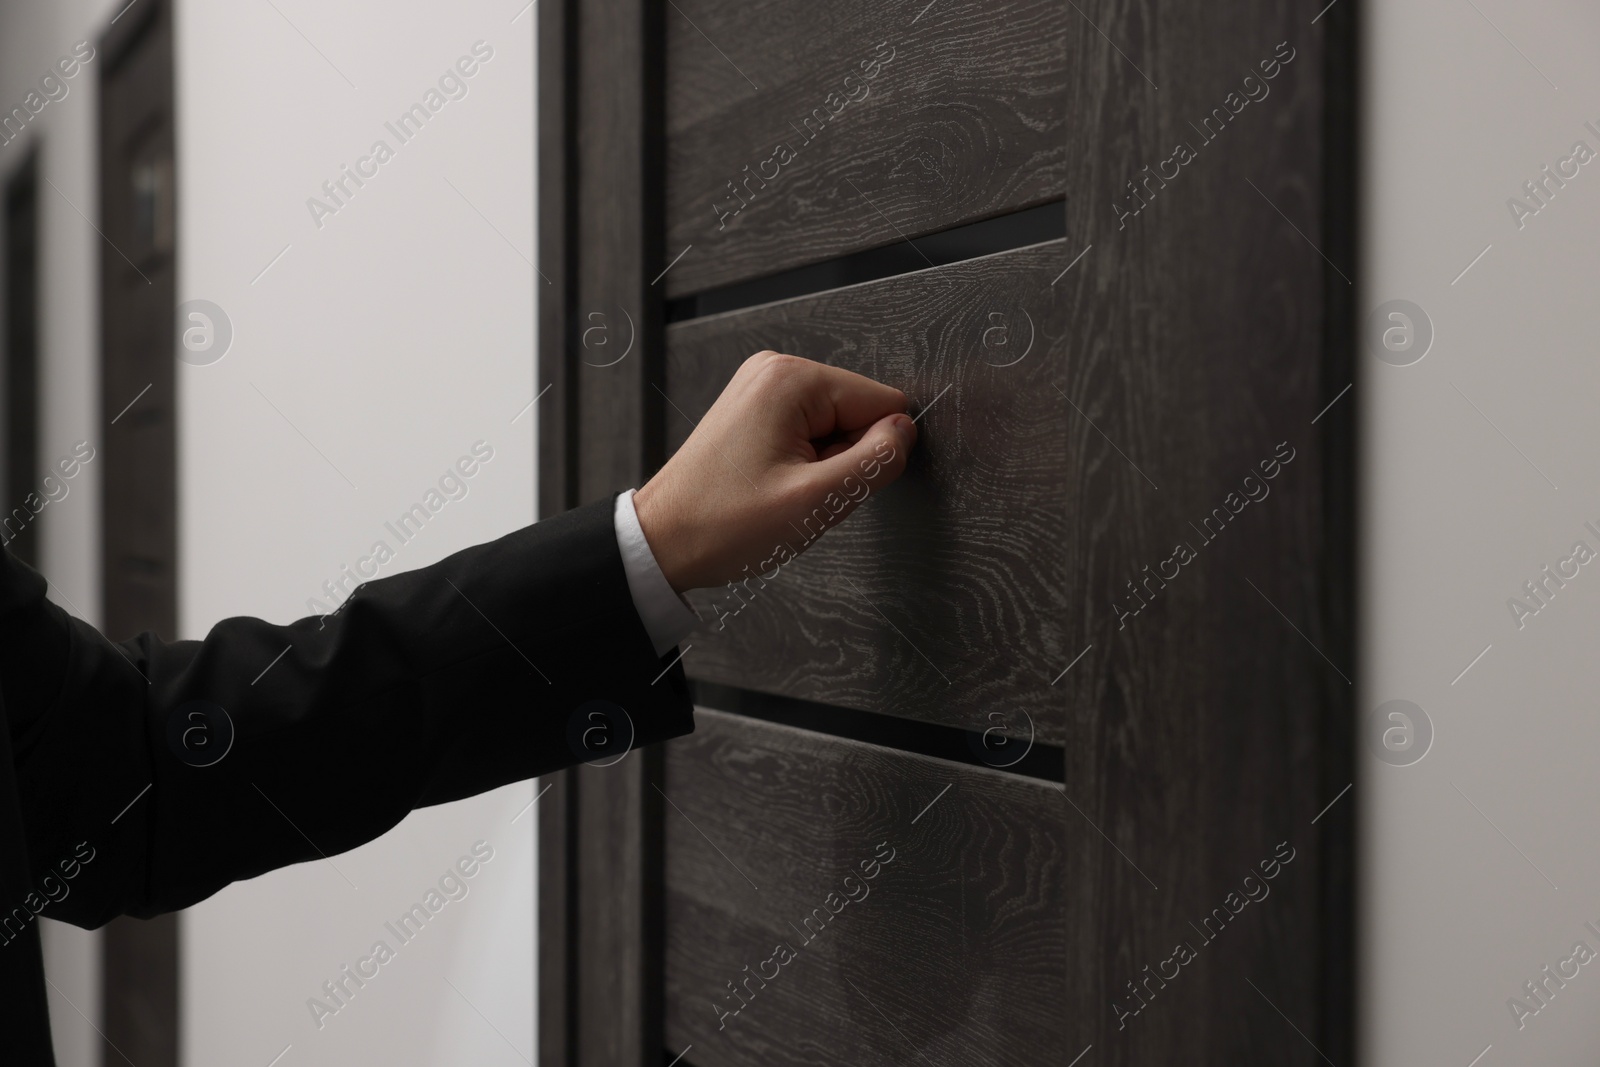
[[790, 448]]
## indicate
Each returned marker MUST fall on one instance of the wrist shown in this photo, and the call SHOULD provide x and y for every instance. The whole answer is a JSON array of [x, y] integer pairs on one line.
[[665, 540]]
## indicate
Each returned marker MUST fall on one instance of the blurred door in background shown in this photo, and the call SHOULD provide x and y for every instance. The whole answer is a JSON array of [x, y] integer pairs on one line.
[[22, 361], [138, 279]]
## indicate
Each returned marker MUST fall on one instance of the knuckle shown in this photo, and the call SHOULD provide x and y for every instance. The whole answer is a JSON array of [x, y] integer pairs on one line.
[[766, 359], [753, 365], [778, 368]]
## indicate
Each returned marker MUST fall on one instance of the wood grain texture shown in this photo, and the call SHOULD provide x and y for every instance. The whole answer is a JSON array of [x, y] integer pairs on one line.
[[1184, 348], [944, 597], [600, 134], [613, 340], [966, 120], [617, 818], [1186, 344], [954, 953], [617, 856], [1196, 731]]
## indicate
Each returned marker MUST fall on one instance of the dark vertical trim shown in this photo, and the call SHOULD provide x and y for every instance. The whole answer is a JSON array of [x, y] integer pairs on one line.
[[556, 458], [600, 130], [616, 237], [139, 1013], [553, 107], [139, 982], [22, 359], [651, 811], [556, 963], [1341, 228]]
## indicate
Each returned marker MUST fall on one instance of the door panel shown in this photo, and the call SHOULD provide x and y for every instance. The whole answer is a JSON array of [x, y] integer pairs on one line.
[[902, 885], [945, 595], [895, 126]]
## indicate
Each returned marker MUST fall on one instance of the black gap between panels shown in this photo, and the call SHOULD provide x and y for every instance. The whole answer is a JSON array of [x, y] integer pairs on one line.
[[1048, 222], [1045, 762]]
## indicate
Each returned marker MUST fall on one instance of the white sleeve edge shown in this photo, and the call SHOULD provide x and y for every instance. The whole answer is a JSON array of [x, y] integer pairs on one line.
[[667, 617]]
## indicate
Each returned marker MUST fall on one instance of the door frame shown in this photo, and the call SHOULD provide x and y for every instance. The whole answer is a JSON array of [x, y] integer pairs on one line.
[[140, 985], [600, 960]]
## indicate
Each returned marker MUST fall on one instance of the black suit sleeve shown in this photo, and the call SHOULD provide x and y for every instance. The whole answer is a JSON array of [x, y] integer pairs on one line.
[[424, 687]]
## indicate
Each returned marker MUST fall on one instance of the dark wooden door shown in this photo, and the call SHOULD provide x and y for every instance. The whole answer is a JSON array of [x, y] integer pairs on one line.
[[138, 280], [1085, 673]]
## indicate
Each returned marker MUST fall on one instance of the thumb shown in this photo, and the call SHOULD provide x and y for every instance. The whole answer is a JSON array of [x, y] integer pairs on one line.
[[876, 460]]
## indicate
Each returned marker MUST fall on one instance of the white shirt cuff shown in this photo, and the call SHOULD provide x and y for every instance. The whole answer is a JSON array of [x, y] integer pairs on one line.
[[667, 618]]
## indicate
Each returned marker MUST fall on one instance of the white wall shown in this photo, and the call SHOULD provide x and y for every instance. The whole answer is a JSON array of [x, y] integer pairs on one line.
[[1464, 904], [392, 338], [33, 36], [376, 351]]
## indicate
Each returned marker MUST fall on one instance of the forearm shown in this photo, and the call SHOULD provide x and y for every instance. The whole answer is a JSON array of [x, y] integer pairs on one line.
[[426, 687]]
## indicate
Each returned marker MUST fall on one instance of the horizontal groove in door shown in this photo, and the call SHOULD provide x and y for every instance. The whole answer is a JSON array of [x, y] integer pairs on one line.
[[890, 126], [959, 934], [1048, 222], [945, 596], [1005, 743]]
